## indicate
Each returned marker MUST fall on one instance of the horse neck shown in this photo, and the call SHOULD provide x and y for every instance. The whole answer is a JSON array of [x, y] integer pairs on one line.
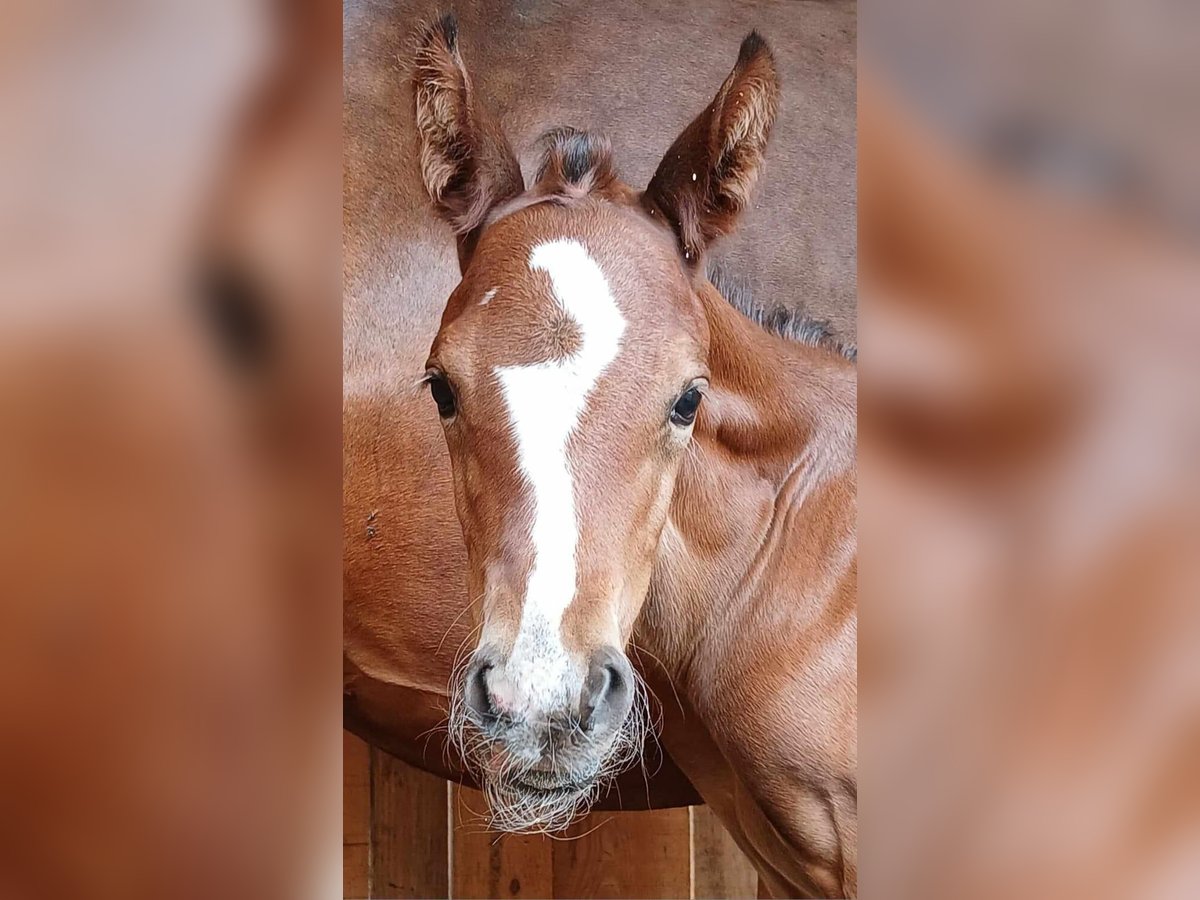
[[777, 426]]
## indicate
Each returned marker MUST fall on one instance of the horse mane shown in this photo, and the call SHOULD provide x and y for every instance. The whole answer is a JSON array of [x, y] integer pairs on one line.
[[788, 322]]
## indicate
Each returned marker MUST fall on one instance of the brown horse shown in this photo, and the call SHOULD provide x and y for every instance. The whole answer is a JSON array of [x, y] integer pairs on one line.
[[405, 587], [637, 464]]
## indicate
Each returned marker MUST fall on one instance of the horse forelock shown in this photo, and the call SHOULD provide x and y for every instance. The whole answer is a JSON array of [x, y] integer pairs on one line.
[[574, 165], [575, 161]]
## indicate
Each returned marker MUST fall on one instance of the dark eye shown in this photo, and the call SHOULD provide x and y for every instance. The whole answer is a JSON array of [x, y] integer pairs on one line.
[[684, 411], [443, 396]]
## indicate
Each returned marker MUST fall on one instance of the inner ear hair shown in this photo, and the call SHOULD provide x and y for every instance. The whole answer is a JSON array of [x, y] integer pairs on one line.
[[705, 180]]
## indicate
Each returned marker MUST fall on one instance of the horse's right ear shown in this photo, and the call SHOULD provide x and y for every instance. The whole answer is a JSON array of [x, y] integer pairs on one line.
[[466, 164], [703, 184]]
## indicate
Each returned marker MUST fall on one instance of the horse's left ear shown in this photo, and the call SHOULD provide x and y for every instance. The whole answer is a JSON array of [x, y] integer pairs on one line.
[[704, 182]]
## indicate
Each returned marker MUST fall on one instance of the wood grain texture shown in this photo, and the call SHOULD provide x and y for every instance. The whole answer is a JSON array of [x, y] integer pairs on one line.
[[396, 844], [409, 846], [488, 864], [620, 855], [719, 867], [356, 817]]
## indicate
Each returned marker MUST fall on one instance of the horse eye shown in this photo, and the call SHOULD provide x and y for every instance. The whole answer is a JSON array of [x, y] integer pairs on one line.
[[443, 396], [684, 411]]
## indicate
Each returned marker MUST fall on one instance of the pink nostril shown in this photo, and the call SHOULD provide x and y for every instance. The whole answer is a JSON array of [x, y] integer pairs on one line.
[[488, 693], [500, 693]]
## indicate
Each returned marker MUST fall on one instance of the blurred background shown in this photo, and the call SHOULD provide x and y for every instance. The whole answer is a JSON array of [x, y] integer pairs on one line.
[[170, 241], [170, 227], [1029, 293]]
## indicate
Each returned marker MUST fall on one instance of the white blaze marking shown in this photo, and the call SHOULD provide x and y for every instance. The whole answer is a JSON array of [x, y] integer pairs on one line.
[[545, 401], [487, 298]]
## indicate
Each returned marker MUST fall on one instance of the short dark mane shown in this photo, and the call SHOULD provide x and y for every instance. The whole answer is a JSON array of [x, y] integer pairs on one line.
[[793, 324]]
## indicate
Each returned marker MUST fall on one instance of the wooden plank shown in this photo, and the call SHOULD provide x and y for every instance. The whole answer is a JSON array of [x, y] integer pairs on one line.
[[719, 867], [487, 864], [356, 817], [409, 846], [625, 854]]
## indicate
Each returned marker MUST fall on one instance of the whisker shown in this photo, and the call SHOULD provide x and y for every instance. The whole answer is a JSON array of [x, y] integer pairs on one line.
[[462, 612], [640, 650]]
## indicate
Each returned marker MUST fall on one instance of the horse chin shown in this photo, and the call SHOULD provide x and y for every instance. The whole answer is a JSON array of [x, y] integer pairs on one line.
[[538, 780], [539, 802], [545, 797]]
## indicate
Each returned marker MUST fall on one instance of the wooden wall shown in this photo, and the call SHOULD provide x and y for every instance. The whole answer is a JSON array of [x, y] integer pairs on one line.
[[408, 834]]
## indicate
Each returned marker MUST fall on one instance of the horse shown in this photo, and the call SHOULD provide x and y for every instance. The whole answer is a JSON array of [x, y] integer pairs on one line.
[[636, 464], [404, 603]]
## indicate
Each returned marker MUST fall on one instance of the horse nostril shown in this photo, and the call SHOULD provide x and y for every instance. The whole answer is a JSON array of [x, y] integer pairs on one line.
[[615, 682], [479, 697], [607, 693], [595, 690]]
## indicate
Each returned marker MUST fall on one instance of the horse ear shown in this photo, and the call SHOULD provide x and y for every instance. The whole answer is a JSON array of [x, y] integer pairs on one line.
[[467, 164], [704, 182]]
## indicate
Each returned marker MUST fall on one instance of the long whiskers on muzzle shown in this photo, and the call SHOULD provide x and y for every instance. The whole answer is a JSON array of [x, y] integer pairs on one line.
[[509, 762]]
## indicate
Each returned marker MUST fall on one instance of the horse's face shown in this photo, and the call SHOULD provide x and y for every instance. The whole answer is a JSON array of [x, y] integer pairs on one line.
[[568, 373]]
